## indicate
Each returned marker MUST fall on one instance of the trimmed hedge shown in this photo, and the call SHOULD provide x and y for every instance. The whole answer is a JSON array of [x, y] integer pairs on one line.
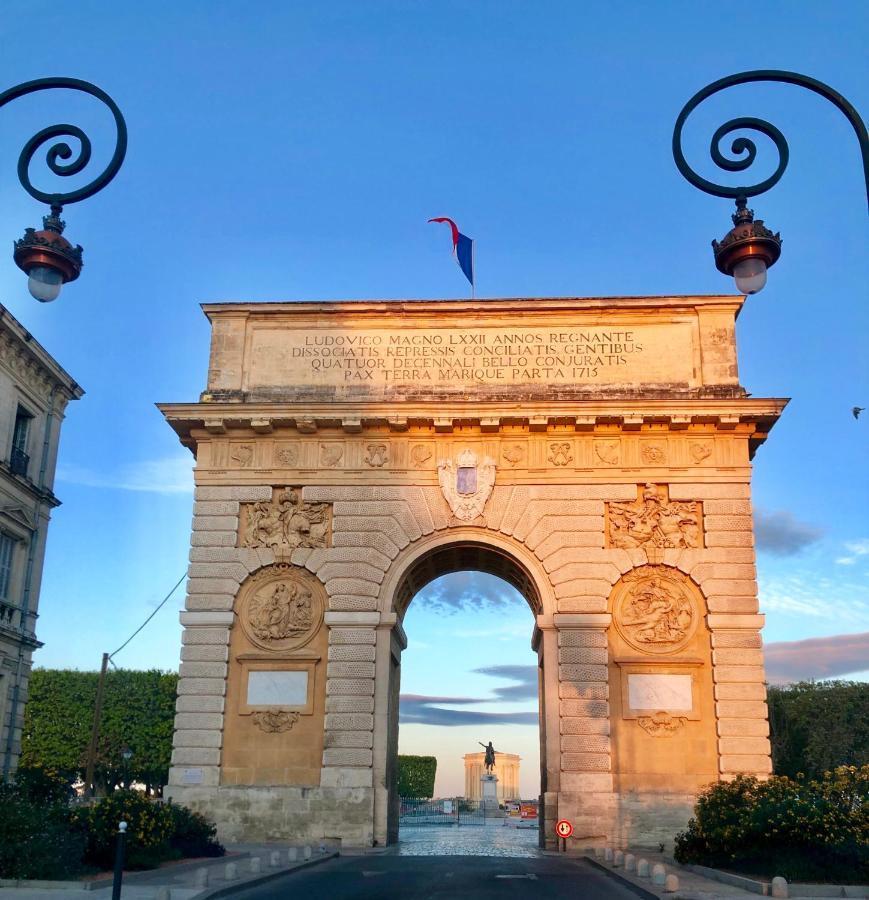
[[799, 829], [416, 776]]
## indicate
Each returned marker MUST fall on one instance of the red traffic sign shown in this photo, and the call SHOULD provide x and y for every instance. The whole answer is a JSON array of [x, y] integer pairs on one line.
[[563, 828]]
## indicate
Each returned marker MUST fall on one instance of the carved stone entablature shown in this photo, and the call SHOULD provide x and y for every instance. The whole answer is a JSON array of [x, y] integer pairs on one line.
[[654, 521], [279, 608], [467, 484], [285, 523], [655, 609], [273, 721], [661, 724]]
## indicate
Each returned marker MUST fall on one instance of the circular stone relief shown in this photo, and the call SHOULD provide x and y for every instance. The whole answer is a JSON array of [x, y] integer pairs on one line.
[[280, 608], [654, 609]]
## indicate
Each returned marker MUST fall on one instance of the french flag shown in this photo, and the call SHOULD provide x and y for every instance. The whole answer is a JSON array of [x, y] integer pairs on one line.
[[463, 248]]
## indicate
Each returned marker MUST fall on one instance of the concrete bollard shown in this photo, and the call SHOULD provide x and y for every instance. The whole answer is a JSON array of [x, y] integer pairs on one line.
[[163, 893], [256, 865], [671, 884], [230, 871], [322, 847], [275, 858], [779, 887], [292, 854], [618, 858], [659, 874], [630, 862], [642, 868], [608, 855], [200, 878], [306, 853], [598, 852]]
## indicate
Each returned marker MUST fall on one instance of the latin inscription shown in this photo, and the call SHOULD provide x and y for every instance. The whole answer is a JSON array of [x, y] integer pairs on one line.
[[569, 355]]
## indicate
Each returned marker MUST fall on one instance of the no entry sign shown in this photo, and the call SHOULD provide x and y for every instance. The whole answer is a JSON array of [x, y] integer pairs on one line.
[[563, 828]]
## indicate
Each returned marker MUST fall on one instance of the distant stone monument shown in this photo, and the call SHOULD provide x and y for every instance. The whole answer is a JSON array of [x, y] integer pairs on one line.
[[504, 775]]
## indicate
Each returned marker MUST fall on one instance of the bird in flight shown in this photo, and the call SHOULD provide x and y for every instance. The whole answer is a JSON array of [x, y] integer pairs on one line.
[[856, 410]]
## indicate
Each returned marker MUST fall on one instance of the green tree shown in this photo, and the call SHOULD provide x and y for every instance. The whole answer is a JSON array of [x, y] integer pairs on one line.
[[138, 713], [817, 726], [416, 776]]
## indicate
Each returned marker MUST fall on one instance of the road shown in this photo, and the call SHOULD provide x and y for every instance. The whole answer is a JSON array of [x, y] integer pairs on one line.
[[469, 877]]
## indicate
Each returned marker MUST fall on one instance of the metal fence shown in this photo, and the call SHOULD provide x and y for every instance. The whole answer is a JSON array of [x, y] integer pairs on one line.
[[420, 813]]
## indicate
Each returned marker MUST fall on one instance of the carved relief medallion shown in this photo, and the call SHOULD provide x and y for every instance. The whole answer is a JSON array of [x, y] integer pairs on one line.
[[654, 609], [654, 521], [654, 454], [287, 455], [467, 484], [377, 455], [279, 610], [514, 454], [286, 522], [275, 720], [242, 454], [661, 724], [421, 454], [559, 453], [699, 451], [331, 455], [607, 452]]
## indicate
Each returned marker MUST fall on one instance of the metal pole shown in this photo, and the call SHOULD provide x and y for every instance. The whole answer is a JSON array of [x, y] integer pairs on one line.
[[119, 861], [95, 731]]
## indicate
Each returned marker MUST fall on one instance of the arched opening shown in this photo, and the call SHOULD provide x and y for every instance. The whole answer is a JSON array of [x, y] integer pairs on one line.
[[469, 676]]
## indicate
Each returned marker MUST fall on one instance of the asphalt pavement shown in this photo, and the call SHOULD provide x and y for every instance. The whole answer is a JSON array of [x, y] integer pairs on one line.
[[469, 877]]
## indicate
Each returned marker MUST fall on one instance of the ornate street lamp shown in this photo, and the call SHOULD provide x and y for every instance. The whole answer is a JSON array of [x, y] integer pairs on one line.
[[47, 257], [750, 248]]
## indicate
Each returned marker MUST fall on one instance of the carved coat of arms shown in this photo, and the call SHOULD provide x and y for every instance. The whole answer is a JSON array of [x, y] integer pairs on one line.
[[467, 484]]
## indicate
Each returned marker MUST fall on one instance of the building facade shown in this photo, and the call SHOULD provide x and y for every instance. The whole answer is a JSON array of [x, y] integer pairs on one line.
[[34, 392], [506, 770], [593, 452]]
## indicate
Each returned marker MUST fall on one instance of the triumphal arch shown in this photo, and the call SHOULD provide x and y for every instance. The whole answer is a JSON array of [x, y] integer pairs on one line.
[[593, 452]]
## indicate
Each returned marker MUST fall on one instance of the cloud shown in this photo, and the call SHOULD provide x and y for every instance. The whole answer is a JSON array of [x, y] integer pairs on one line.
[[815, 658], [427, 710], [170, 475], [780, 534], [476, 591], [856, 549]]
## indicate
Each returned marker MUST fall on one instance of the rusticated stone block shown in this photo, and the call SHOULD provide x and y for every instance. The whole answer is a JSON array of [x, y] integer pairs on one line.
[[730, 539], [580, 674], [352, 653], [212, 586], [353, 586], [739, 605], [582, 605], [349, 722], [243, 493], [213, 539], [195, 756], [350, 670], [381, 524], [740, 709], [722, 571], [230, 570], [727, 523], [573, 570], [199, 721], [747, 640], [585, 743], [743, 746], [216, 602], [199, 686], [205, 653], [363, 686], [584, 708], [352, 603], [339, 635], [586, 783], [205, 635], [736, 657], [335, 571], [585, 762], [361, 740], [347, 757], [581, 637], [351, 704], [709, 491], [202, 670], [583, 655], [585, 726], [738, 673], [197, 738], [740, 690], [743, 727], [544, 543], [215, 523], [761, 765], [199, 703], [375, 540], [215, 508], [727, 507], [730, 587], [582, 587]]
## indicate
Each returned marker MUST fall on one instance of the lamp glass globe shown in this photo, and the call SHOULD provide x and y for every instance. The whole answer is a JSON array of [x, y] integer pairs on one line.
[[750, 275], [44, 283]]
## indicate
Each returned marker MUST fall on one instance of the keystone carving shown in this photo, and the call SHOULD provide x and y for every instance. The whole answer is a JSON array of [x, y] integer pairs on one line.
[[467, 485], [661, 724], [286, 523], [654, 521], [272, 721], [278, 608], [654, 609]]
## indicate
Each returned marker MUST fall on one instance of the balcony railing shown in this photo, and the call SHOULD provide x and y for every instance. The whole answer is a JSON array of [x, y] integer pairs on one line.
[[18, 462]]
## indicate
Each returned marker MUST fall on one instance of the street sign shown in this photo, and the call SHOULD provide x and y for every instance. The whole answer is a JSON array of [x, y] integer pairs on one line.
[[563, 828]]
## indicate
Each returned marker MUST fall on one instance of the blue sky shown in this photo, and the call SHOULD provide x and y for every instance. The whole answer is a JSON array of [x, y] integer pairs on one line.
[[295, 150]]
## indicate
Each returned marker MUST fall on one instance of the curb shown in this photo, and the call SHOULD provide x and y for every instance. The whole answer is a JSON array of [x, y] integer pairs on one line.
[[624, 882], [224, 890]]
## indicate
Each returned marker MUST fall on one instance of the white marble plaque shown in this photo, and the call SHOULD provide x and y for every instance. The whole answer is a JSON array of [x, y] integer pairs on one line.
[[277, 688], [191, 776], [660, 692]]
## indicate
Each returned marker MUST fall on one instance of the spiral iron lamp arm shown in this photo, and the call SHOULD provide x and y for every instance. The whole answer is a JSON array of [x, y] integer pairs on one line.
[[48, 257]]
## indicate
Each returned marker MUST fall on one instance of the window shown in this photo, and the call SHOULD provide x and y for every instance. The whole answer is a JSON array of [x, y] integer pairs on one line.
[[18, 458], [7, 548]]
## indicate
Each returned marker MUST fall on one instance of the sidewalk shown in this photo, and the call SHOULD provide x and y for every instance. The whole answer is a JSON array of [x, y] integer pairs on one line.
[[245, 865]]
